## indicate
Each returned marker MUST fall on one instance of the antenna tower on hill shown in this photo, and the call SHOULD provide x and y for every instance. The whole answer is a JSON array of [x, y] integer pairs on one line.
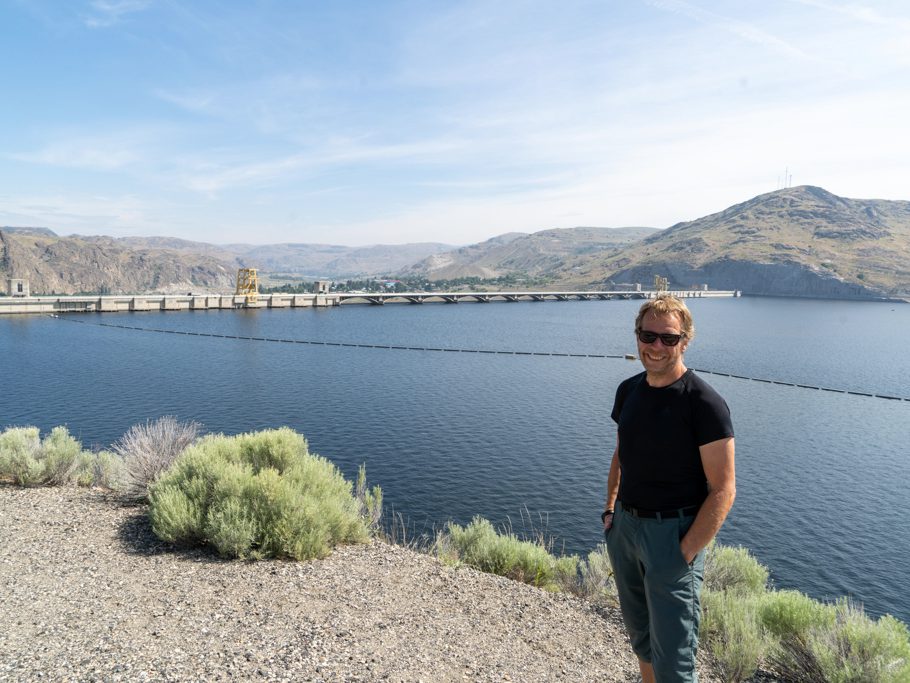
[[786, 181]]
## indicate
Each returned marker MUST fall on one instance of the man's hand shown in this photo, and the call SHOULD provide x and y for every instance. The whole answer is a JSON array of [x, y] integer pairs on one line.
[[612, 488]]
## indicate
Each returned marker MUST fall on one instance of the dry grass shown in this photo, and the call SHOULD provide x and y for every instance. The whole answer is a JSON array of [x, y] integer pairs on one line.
[[149, 449]]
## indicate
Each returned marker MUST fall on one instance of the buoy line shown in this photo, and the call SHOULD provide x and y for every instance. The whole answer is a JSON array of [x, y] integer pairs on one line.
[[500, 352]]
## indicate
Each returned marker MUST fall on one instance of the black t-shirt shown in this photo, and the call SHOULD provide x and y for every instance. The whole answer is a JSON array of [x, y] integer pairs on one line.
[[660, 431]]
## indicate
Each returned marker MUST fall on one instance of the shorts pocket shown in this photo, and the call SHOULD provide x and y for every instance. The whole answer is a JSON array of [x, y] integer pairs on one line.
[[683, 525]]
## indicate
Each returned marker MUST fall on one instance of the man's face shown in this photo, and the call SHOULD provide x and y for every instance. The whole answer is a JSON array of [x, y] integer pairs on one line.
[[657, 358]]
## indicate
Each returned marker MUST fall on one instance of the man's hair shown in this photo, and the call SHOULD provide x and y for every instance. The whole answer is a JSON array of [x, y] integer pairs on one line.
[[665, 304]]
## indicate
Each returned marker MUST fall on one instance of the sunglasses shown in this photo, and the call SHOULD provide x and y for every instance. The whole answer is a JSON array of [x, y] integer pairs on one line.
[[648, 337]]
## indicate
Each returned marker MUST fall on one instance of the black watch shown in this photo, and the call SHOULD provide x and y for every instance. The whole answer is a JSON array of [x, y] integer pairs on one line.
[[603, 515]]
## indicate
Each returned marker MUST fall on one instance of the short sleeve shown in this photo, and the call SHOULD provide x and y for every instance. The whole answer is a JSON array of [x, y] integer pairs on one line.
[[712, 417], [622, 392]]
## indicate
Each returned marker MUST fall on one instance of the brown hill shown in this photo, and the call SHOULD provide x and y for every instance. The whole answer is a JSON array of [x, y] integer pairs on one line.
[[68, 265], [538, 254], [800, 241], [332, 260]]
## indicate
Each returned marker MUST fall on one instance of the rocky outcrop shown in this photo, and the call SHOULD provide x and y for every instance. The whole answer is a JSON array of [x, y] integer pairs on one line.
[[801, 241], [70, 265], [74, 264]]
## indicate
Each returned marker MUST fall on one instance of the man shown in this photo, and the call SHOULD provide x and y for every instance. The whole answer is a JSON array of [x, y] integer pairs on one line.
[[672, 482]]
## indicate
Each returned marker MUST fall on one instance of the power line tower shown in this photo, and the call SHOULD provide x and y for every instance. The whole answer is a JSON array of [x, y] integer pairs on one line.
[[248, 284]]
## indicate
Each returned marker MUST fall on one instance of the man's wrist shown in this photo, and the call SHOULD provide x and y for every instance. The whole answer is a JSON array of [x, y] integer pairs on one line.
[[603, 515]]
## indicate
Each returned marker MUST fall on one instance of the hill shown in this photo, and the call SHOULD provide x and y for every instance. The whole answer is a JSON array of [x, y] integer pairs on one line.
[[69, 265], [800, 241], [540, 253], [333, 261], [73, 264]]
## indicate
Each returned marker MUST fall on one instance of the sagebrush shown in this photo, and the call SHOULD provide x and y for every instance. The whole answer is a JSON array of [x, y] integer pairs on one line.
[[479, 545], [28, 460], [149, 449], [256, 495]]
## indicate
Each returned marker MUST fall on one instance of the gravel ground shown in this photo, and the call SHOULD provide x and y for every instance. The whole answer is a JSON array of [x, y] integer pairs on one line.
[[87, 593]]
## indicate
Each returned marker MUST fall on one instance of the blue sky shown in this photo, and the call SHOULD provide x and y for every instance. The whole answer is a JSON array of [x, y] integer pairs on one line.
[[366, 122]]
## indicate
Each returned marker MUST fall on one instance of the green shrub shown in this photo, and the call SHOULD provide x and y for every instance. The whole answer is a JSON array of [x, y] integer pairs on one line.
[[370, 501], [596, 576], [109, 470], [731, 629], [19, 459], [734, 569], [566, 573], [103, 469], [58, 459], [256, 495], [60, 454], [480, 546], [790, 613], [84, 472], [854, 649]]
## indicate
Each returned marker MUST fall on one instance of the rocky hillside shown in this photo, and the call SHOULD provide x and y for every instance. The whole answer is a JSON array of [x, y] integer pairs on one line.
[[332, 260], [800, 241], [540, 253], [69, 265]]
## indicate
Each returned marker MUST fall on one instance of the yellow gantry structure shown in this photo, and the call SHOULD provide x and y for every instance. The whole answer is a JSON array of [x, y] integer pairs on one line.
[[248, 284]]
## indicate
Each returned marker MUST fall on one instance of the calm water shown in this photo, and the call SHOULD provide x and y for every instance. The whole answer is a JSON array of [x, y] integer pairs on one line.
[[822, 477]]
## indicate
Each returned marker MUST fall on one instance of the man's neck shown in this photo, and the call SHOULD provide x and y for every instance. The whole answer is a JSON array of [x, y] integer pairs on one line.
[[665, 379]]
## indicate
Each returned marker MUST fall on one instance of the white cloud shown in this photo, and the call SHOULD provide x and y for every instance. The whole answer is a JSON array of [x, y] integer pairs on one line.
[[82, 213], [192, 100], [79, 154], [110, 12], [858, 12], [749, 32], [212, 177], [101, 151]]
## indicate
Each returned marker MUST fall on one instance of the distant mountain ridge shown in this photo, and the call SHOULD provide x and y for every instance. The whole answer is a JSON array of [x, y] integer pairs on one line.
[[800, 241], [536, 254], [124, 265], [333, 261]]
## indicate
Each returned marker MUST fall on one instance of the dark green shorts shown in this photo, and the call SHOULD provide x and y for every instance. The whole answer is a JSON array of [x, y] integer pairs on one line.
[[658, 591]]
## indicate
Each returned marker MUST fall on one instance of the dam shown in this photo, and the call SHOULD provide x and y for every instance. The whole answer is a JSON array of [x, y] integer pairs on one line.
[[196, 302]]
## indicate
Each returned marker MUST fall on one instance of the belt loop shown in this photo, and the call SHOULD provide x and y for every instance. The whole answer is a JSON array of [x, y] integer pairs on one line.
[[659, 517], [681, 512]]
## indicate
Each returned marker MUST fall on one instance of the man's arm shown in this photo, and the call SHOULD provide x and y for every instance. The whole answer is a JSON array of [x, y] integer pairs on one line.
[[612, 486], [717, 459]]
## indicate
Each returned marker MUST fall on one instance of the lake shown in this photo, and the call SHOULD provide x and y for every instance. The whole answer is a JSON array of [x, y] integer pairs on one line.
[[522, 439]]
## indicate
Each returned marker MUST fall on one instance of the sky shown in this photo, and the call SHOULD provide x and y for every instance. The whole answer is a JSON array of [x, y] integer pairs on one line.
[[359, 122]]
